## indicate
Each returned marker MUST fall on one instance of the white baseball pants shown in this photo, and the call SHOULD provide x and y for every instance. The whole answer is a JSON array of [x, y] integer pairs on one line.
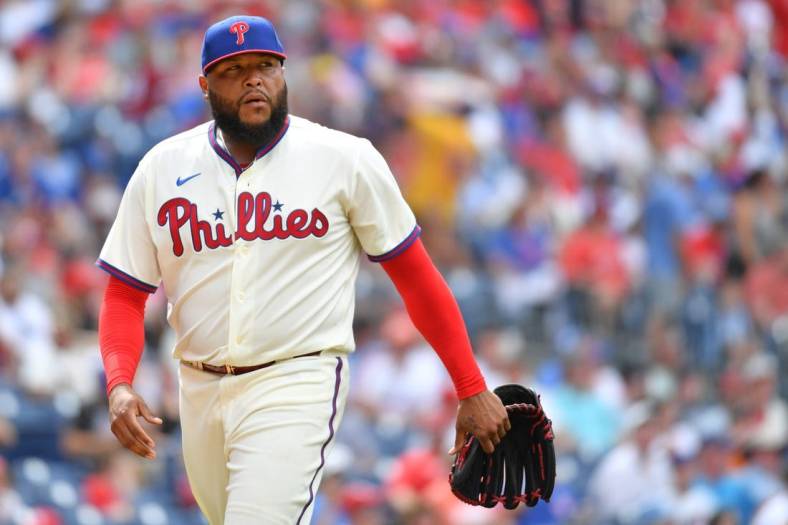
[[255, 445]]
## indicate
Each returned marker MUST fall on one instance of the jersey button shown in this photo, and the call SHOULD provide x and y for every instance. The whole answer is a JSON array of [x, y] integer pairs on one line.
[[241, 296], [239, 340]]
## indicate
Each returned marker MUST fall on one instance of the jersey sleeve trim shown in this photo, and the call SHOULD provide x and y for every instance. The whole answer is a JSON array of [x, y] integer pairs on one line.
[[126, 278], [398, 249]]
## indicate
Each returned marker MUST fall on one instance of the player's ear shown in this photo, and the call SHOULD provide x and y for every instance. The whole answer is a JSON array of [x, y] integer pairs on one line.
[[204, 86]]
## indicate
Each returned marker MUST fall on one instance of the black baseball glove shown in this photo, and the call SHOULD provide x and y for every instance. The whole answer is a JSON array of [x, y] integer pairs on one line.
[[522, 467]]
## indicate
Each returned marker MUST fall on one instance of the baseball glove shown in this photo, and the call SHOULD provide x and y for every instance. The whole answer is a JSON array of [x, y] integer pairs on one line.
[[522, 467]]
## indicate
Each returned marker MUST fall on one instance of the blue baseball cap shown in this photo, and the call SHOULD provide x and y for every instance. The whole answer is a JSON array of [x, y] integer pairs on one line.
[[237, 35]]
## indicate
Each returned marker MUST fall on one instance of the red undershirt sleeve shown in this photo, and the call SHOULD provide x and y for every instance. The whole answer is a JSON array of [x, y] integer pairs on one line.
[[121, 331], [434, 311]]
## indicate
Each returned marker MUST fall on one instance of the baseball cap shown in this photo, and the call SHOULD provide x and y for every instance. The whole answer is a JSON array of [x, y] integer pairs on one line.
[[237, 35]]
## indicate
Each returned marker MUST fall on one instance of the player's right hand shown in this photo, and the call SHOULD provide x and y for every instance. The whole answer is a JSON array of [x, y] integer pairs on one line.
[[125, 406]]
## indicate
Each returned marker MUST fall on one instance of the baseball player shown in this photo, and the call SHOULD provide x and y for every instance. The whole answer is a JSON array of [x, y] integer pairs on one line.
[[254, 223]]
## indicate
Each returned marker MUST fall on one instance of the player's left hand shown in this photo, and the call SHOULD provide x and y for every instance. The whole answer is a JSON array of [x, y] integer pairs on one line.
[[484, 416]]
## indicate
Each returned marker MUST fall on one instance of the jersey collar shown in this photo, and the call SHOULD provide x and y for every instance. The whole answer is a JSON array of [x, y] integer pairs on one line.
[[225, 155]]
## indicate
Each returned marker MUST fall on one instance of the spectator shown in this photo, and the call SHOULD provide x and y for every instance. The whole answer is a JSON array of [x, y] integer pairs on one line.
[[718, 474], [26, 329], [593, 264], [579, 414], [640, 467]]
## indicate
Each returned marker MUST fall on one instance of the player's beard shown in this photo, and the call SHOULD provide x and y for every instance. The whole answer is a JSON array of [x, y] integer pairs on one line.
[[226, 114]]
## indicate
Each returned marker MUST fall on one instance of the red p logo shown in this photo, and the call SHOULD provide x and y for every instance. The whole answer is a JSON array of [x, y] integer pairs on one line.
[[239, 28]]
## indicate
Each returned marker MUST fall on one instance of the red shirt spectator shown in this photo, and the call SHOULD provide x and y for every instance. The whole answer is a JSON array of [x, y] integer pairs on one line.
[[767, 288], [591, 258]]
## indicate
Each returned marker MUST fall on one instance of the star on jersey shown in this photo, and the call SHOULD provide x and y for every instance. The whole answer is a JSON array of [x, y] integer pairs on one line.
[[278, 206], [218, 215]]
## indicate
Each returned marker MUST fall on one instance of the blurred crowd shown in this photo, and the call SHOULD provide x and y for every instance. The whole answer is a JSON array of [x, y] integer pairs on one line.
[[603, 183]]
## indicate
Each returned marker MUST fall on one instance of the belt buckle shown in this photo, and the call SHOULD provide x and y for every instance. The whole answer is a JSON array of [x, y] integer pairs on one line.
[[197, 365], [229, 369]]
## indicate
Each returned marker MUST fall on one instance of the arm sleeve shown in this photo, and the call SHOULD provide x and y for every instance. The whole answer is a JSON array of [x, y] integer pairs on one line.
[[434, 311], [129, 253], [121, 331], [381, 219]]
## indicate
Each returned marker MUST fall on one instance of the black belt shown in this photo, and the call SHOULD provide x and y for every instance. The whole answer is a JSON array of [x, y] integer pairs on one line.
[[238, 370]]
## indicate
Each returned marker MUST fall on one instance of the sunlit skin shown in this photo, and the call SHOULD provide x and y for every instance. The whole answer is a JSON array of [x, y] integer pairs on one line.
[[251, 85]]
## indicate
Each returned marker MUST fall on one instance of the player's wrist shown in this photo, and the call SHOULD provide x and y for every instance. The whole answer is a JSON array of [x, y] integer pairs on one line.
[[472, 389], [116, 388]]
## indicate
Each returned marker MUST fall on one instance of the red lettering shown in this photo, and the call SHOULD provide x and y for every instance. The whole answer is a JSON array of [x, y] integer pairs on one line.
[[245, 214], [239, 28], [197, 228], [253, 211], [211, 241], [296, 224], [169, 213], [221, 236], [262, 205], [278, 229], [319, 225]]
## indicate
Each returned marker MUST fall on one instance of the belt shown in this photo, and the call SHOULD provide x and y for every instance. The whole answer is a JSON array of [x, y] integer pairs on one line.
[[238, 370]]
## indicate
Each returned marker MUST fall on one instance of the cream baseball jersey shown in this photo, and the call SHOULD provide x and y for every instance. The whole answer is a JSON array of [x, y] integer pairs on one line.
[[258, 264]]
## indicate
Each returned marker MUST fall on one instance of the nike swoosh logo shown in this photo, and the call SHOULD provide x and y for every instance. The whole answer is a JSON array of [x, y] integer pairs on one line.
[[181, 182]]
